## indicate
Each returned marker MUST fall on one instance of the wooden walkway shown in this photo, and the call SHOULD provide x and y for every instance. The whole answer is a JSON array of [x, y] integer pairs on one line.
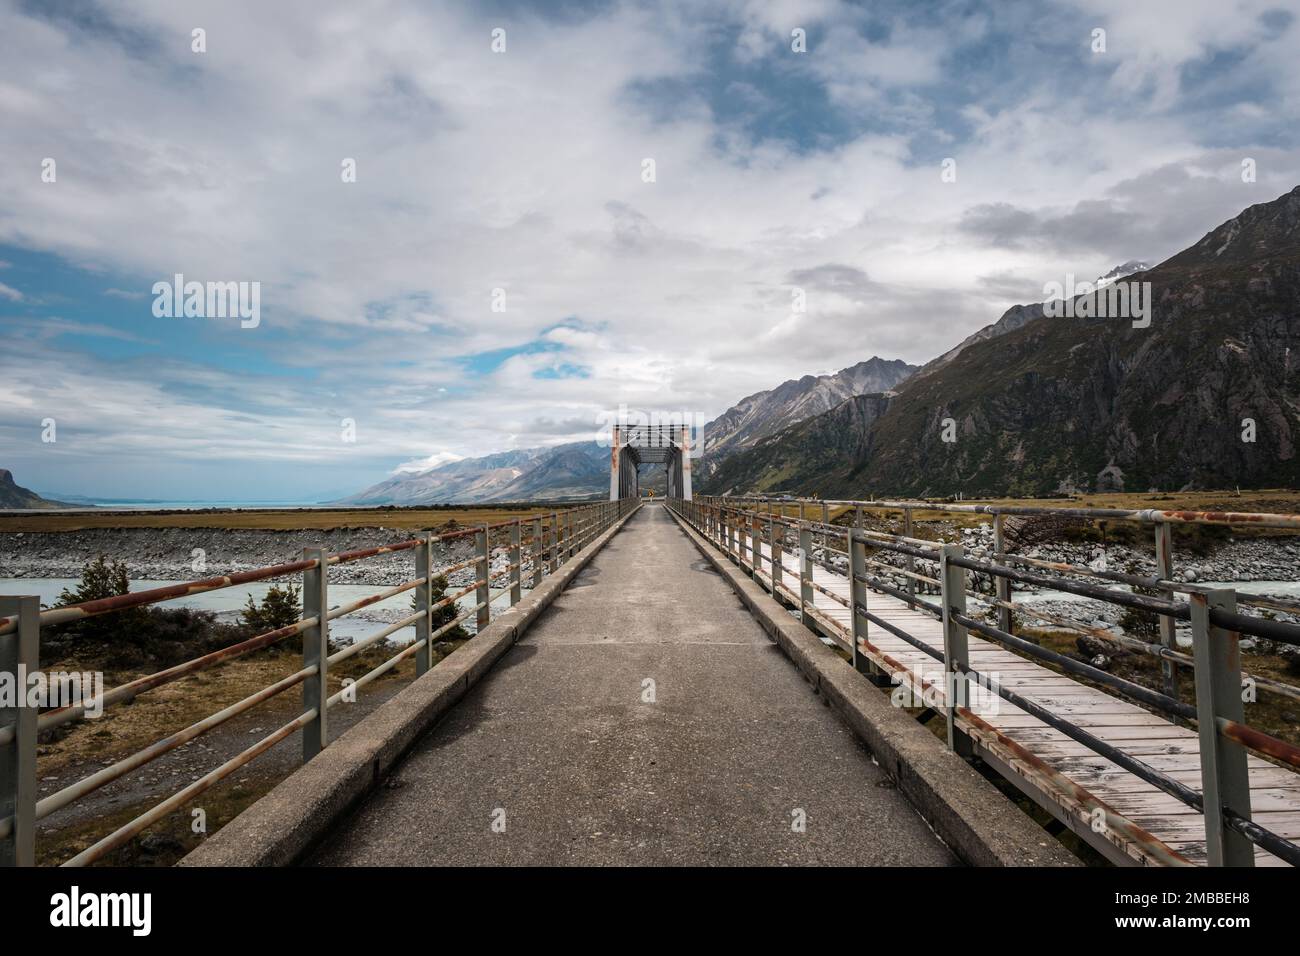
[[1175, 750]]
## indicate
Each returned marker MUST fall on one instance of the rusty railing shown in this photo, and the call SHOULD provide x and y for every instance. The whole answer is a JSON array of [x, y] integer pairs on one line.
[[539, 544]]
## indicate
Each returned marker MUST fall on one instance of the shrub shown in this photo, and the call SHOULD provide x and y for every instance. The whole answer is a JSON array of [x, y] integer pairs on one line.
[[99, 580], [445, 614], [134, 637], [279, 608]]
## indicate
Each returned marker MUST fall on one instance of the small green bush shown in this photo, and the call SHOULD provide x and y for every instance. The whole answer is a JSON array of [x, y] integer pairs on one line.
[[280, 607], [445, 614]]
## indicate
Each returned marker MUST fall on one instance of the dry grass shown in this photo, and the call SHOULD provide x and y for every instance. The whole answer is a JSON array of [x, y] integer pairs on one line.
[[81, 748], [129, 726], [414, 519], [1271, 500]]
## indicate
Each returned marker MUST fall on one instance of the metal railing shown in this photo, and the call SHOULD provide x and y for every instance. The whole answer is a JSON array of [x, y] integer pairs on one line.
[[742, 526], [546, 541]]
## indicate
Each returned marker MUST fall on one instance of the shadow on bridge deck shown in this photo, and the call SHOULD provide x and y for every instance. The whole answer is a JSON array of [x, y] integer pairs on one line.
[[558, 736]]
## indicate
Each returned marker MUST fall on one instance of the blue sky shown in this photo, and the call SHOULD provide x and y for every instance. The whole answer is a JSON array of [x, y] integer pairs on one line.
[[500, 273]]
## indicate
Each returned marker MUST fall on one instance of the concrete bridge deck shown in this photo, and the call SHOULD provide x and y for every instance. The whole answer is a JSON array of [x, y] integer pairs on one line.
[[558, 735]]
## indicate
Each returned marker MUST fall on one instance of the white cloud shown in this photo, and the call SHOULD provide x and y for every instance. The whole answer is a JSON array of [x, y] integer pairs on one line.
[[522, 171]]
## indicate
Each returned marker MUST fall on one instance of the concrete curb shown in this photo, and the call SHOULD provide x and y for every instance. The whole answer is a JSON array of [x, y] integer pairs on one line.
[[281, 827], [968, 813]]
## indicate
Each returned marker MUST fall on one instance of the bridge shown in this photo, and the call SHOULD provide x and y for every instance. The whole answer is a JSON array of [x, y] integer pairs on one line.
[[728, 680]]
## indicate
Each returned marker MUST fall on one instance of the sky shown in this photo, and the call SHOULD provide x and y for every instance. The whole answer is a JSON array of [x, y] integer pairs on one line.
[[503, 269]]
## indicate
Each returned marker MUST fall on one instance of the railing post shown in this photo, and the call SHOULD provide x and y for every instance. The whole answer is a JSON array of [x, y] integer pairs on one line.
[[750, 529], [805, 570], [858, 596], [19, 657], [516, 558], [774, 547], [1168, 627], [316, 651], [553, 542], [538, 552], [1002, 585], [1225, 779], [956, 652], [482, 571], [423, 626], [909, 561]]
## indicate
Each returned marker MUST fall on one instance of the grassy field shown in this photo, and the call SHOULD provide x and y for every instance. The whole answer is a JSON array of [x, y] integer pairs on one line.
[[415, 519]]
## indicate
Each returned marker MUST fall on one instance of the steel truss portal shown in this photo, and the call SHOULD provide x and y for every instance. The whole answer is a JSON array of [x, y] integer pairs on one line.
[[633, 445]]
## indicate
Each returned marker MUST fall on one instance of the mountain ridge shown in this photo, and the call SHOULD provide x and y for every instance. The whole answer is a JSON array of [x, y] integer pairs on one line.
[[1058, 405], [13, 495], [577, 470]]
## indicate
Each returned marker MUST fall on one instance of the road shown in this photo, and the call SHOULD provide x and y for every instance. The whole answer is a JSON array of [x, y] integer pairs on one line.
[[644, 719]]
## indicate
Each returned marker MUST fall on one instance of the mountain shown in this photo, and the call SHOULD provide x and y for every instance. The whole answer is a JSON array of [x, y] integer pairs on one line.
[[1123, 272], [1012, 319], [801, 456], [581, 469], [15, 496], [575, 470], [796, 400], [1061, 404], [1016, 316], [469, 479]]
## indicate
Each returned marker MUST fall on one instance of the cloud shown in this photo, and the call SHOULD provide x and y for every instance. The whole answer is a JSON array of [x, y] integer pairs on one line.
[[10, 293], [427, 463], [522, 171]]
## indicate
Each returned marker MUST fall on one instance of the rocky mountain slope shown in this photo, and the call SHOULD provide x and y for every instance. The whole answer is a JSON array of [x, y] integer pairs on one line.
[[581, 469], [803, 456], [13, 495], [765, 413], [1016, 316], [574, 470], [1055, 404]]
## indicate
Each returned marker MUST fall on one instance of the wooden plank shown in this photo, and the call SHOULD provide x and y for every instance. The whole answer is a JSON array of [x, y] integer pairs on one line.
[[1147, 736]]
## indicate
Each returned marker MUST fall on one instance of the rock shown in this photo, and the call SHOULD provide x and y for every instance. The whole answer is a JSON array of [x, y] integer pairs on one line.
[[1094, 647], [154, 844]]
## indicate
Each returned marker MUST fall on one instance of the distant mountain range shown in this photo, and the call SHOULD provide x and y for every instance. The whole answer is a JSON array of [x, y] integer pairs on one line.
[[570, 471], [15, 496], [1038, 404], [764, 413], [1205, 396], [581, 469]]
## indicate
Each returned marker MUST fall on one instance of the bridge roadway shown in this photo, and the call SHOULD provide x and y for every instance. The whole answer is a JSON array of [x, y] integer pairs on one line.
[[558, 736]]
